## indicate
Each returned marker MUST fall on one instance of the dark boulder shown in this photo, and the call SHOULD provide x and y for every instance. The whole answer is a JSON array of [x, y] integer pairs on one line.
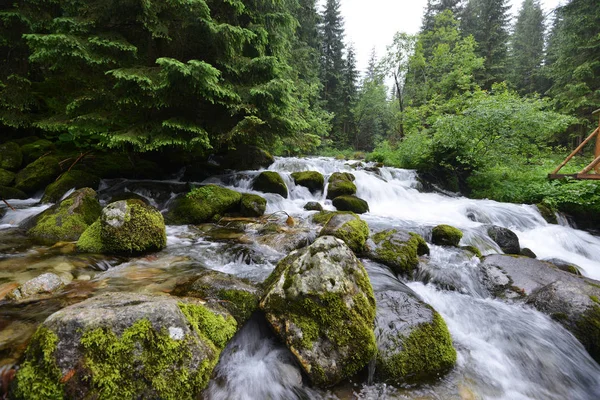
[[351, 203], [506, 239], [270, 182]]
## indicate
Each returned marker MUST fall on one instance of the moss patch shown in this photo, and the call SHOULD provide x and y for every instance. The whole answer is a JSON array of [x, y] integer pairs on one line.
[[216, 328], [90, 240], [252, 205], [203, 204], [37, 175], [69, 180], [473, 249], [11, 156], [446, 235], [402, 257], [354, 233], [270, 182], [427, 351], [340, 188], [587, 330], [312, 180], [6, 177]]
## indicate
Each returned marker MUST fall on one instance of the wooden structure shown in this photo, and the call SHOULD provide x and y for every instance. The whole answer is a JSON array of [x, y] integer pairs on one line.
[[595, 165]]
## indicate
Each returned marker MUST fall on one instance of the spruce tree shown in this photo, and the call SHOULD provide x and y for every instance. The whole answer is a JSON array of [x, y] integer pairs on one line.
[[350, 94], [436, 7], [527, 48]]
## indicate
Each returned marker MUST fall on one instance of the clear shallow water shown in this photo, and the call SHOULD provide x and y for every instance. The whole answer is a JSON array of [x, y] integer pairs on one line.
[[505, 351]]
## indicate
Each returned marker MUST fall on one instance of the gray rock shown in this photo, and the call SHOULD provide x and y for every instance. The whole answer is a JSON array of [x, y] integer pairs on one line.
[[42, 285], [348, 227], [313, 206], [397, 249], [505, 238], [320, 303]]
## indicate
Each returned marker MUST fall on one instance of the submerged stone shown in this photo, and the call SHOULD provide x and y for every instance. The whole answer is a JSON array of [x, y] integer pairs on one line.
[[320, 303], [125, 345], [348, 227], [312, 180], [398, 250], [446, 235], [270, 182], [351, 203], [42, 285]]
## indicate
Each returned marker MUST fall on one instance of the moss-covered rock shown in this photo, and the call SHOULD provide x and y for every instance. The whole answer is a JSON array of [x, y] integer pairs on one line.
[[247, 158], [8, 193], [132, 227], [348, 227], [527, 252], [413, 340], [270, 182], [67, 181], [6, 177], [238, 296], [252, 205], [312, 180], [90, 240], [120, 165], [547, 213], [446, 235], [313, 206], [124, 346], [398, 250], [11, 157], [473, 250], [37, 175], [33, 151], [320, 303], [69, 219], [340, 184], [203, 204], [506, 239], [351, 203]]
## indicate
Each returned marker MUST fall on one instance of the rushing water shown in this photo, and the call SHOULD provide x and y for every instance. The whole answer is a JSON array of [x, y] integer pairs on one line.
[[505, 351]]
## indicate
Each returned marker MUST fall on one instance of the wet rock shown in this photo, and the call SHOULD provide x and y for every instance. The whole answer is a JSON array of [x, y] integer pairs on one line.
[[8, 193], [320, 303], [565, 266], [348, 227], [37, 175], [67, 181], [125, 227], [68, 220], [125, 345], [312, 180], [247, 158], [397, 249], [413, 340], [270, 182], [547, 213], [42, 285], [575, 304], [6, 177], [505, 238], [527, 253], [252, 205], [341, 184], [33, 151], [473, 250], [284, 239], [238, 296], [446, 235], [313, 206], [204, 204], [11, 156], [351, 203]]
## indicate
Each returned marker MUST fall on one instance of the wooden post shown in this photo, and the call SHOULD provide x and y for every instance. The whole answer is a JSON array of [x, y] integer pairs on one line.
[[597, 149], [577, 150]]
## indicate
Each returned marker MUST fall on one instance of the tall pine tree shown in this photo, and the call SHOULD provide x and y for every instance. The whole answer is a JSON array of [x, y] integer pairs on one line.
[[436, 7], [350, 94], [527, 48]]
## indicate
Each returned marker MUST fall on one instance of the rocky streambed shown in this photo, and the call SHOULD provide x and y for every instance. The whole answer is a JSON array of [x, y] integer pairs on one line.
[[304, 278]]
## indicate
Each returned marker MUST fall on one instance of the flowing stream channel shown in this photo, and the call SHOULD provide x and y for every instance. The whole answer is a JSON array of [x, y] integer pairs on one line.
[[505, 350]]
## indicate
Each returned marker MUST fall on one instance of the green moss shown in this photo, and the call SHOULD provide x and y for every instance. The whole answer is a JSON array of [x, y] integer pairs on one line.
[[547, 213], [203, 204], [402, 257], [351, 203], [312, 180], [6, 177], [142, 360], [37, 175], [427, 351], [587, 330], [11, 156], [90, 240], [38, 377], [33, 151], [422, 247], [270, 182], [69, 180], [354, 233], [340, 188], [68, 220], [446, 235], [143, 230], [241, 303], [216, 328], [595, 299], [341, 176], [8, 193], [252, 205], [472, 249]]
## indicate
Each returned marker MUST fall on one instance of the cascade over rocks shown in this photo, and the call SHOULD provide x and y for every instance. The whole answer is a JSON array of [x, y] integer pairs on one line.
[[320, 303], [346, 226], [397, 249], [446, 235], [341, 184], [125, 345], [413, 341], [313, 180], [505, 238], [351, 203], [270, 182]]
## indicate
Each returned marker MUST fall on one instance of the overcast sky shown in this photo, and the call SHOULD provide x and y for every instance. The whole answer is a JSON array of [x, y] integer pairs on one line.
[[373, 23]]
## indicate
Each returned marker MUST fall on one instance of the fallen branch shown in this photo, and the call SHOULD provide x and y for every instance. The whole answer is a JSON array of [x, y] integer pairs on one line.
[[8, 205]]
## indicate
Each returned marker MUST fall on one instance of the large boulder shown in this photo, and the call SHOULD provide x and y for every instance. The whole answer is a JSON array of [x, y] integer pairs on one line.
[[270, 182], [69, 219], [37, 175], [252, 205], [247, 158], [12, 193], [446, 235], [238, 296], [340, 184], [124, 345], [33, 151], [6, 177], [312, 180], [125, 227], [11, 156], [320, 303], [506, 239], [67, 181], [204, 204], [413, 340], [351, 203], [348, 227], [398, 250]]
